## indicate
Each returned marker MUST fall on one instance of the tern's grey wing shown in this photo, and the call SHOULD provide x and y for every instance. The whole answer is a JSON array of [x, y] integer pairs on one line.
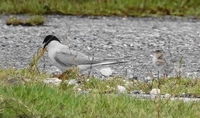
[[69, 57]]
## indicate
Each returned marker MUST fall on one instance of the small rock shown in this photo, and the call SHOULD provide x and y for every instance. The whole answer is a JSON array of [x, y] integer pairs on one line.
[[194, 75], [89, 48], [129, 76], [155, 91], [188, 75], [53, 70], [54, 81], [84, 92], [127, 83], [121, 89], [147, 79], [106, 71], [135, 78], [183, 94], [167, 95], [153, 96], [131, 45], [137, 92], [72, 82], [79, 89]]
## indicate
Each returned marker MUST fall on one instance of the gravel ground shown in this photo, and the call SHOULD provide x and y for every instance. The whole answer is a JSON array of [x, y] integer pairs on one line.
[[106, 37]]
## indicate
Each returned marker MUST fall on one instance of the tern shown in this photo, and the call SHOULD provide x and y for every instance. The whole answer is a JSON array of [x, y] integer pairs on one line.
[[64, 58]]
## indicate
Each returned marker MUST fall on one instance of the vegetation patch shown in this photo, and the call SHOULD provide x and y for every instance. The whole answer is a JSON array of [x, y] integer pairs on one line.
[[36, 99], [103, 7], [32, 21]]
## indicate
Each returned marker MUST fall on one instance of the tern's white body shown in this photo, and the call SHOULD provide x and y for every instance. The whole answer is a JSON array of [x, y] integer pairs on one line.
[[52, 48], [63, 57]]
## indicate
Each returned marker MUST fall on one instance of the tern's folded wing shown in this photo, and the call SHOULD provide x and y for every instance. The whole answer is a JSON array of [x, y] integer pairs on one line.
[[71, 57]]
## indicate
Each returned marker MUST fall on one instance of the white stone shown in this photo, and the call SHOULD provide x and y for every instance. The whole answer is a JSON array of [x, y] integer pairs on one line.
[[167, 95], [79, 89], [127, 84], [106, 71], [53, 70], [54, 81], [148, 78], [72, 82], [155, 91], [194, 75], [121, 89]]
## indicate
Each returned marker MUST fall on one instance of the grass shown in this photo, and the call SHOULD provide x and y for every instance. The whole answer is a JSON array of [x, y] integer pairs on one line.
[[103, 7], [40, 100], [32, 21], [36, 99]]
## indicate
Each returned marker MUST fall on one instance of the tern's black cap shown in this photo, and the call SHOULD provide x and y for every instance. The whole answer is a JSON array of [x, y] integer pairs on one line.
[[50, 38]]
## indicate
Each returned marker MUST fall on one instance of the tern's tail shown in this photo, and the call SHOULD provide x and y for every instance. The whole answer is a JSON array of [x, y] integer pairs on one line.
[[108, 63], [84, 67]]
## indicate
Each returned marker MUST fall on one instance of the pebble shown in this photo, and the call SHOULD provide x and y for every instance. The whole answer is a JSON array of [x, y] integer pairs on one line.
[[106, 71], [155, 91], [73, 82], [137, 92], [147, 79], [167, 95], [121, 89], [54, 81], [84, 92]]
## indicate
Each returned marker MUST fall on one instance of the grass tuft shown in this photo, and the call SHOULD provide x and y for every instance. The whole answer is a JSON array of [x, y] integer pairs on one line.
[[32, 21], [33, 66]]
